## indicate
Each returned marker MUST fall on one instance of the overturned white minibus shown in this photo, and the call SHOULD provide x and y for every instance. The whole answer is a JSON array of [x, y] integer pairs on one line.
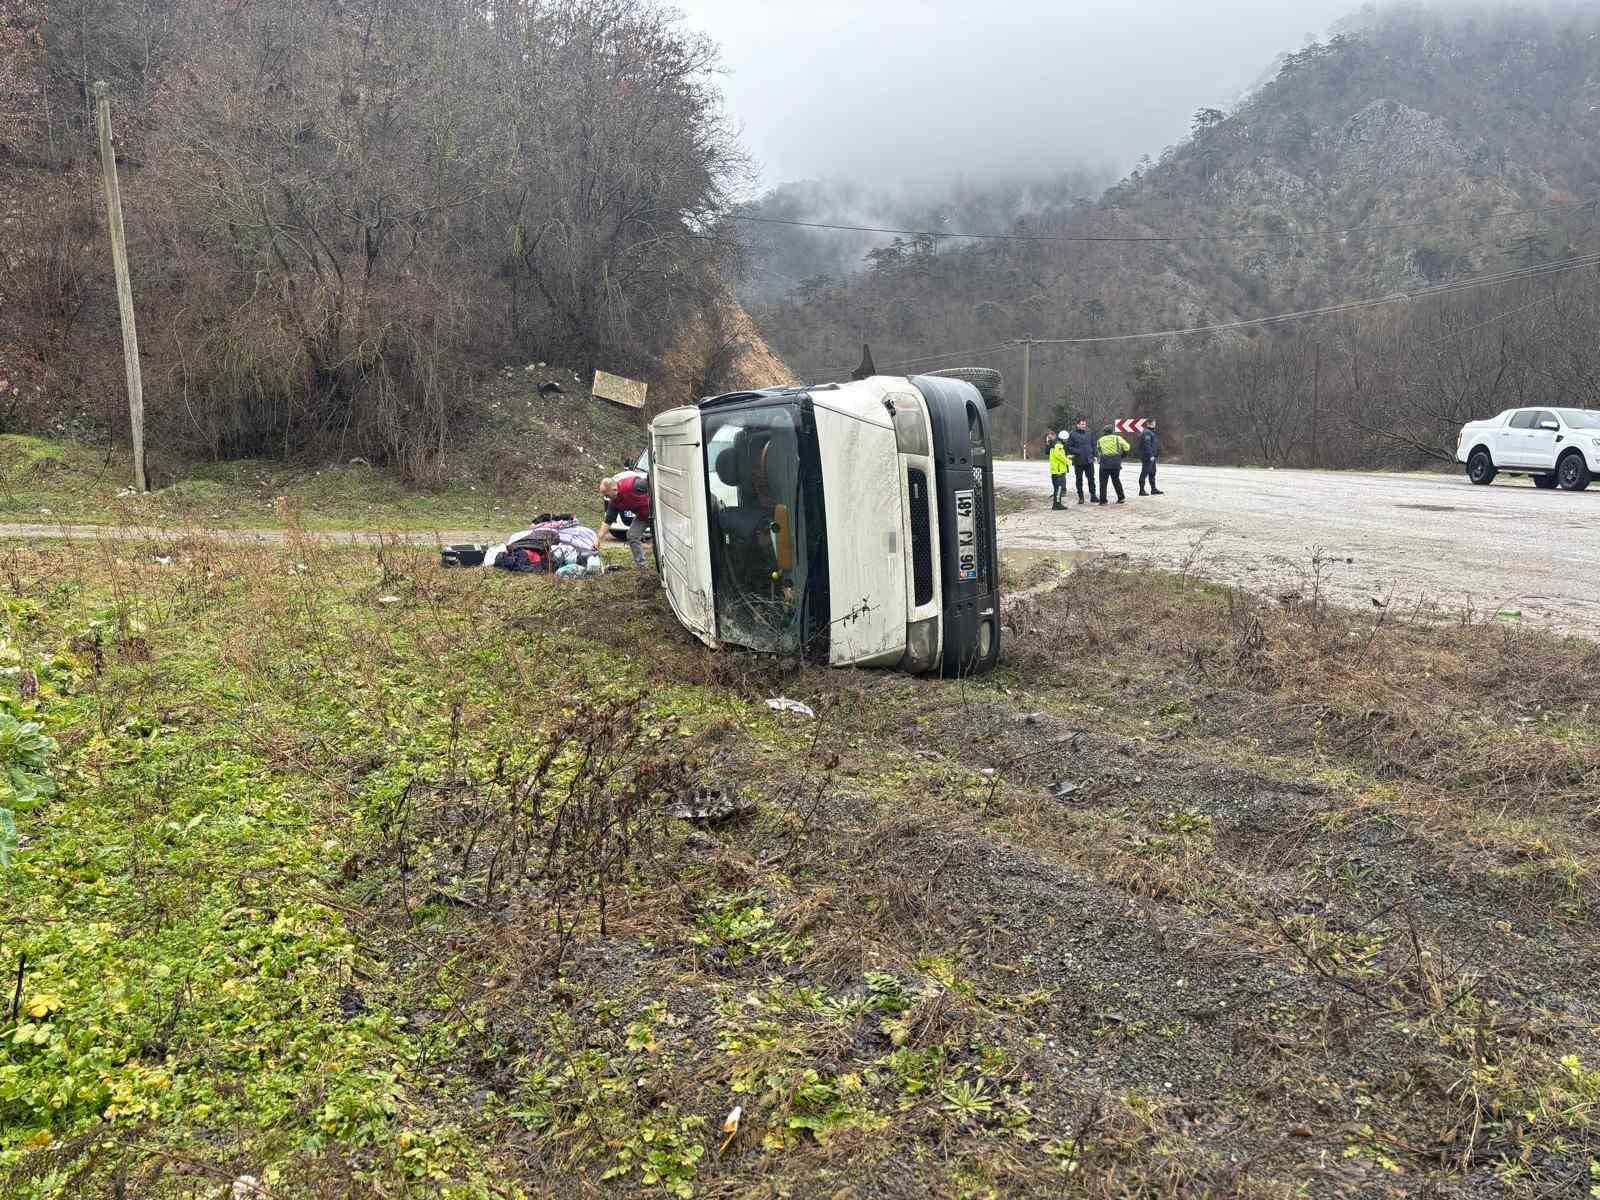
[[851, 524]]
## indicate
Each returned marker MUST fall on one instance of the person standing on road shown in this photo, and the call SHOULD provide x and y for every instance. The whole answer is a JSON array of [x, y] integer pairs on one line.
[[1148, 448], [630, 493], [1058, 470], [1080, 446], [1111, 448]]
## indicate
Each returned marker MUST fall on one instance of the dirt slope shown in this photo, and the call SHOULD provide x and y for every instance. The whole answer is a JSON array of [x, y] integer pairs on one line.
[[716, 352]]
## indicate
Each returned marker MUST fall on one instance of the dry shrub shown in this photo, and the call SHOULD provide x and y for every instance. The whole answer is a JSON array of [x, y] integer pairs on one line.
[[1040, 617], [554, 834], [47, 276], [256, 387], [54, 279], [1471, 707]]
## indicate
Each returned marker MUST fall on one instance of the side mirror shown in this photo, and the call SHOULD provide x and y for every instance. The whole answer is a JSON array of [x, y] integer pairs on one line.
[[1552, 426]]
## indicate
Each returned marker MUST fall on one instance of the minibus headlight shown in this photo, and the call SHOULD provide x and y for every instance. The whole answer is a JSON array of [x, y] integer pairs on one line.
[[910, 430], [922, 646]]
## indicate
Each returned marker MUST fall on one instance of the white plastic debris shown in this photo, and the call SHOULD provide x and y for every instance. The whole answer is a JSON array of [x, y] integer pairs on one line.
[[784, 704], [388, 599], [730, 1127], [163, 560], [712, 806]]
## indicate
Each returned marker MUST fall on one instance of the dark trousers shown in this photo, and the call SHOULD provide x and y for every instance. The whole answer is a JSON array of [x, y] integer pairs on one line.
[[1058, 488], [1111, 477], [637, 528], [1147, 471], [636, 531], [1085, 471]]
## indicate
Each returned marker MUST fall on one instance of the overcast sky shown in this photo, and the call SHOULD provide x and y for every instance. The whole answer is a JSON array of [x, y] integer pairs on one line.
[[826, 88]]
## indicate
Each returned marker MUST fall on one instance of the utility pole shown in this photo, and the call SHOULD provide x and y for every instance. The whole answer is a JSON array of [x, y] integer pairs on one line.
[[119, 257], [1027, 369], [1316, 388]]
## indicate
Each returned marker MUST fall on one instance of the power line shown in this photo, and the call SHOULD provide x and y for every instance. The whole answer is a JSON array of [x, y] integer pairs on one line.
[[1463, 285], [1494, 320], [980, 352], [930, 358], [1160, 239]]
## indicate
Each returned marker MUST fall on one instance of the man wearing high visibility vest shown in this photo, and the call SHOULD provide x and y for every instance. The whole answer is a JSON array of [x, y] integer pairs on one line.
[[1111, 448]]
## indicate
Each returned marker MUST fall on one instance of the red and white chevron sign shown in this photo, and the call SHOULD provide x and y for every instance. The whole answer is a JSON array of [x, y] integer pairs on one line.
[[1137, 425]]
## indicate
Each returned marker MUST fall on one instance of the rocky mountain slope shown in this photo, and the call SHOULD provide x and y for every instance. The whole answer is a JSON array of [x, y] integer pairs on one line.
[[1458, 143]]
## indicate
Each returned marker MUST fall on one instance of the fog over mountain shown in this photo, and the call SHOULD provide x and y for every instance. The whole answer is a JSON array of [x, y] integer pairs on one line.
[[933, 89], [1454, 144]]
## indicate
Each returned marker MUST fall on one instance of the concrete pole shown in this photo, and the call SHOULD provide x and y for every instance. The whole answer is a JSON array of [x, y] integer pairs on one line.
[[1027, 396], [119, 258]]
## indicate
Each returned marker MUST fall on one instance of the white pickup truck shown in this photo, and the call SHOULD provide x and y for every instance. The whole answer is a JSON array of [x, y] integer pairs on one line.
[[1559, 447], [850, 524]]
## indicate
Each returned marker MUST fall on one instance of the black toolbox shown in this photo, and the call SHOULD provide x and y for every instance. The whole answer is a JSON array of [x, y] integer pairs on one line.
[[466, 554]]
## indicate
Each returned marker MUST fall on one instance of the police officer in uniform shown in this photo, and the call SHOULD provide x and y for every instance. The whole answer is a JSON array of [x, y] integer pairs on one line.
[[1111, 448], [1148, 449]]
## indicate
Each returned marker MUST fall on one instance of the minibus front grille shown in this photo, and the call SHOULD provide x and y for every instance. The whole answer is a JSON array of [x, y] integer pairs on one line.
[[985, 551], [921, 537]]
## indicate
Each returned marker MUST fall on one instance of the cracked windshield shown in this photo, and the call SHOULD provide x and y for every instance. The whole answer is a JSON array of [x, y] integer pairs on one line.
[[761, 540]]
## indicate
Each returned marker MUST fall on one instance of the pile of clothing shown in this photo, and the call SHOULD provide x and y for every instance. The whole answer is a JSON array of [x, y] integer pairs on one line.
[[556, 543]]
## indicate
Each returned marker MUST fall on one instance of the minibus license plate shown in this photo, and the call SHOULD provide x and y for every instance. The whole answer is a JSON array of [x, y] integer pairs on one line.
[[966, 536]]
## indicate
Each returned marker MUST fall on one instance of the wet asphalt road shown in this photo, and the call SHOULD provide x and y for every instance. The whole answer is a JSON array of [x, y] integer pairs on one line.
[[1402, 539]]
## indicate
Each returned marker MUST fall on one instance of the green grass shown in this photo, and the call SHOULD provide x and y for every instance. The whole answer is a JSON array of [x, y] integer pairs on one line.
[[45, 482], [528, 456], [358, 878], [169, 918], [195, 968]]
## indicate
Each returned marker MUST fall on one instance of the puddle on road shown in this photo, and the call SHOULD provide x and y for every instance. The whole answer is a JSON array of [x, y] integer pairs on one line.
[[1430, 507]]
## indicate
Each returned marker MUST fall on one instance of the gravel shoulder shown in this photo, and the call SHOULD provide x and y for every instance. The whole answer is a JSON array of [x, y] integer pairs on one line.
[[1403, 540]]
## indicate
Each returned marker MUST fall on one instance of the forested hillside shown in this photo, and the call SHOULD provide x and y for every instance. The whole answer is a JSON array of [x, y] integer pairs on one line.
[[784, 249], [1416, 149], [343, 215]]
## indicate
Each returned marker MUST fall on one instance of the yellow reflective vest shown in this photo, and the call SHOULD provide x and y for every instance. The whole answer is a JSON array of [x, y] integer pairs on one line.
[[1112, 446], [1058, 459]]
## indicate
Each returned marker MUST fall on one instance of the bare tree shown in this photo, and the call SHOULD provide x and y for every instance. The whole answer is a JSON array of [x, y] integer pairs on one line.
[[21, 97], [622, 168], [1264, 405], [343, 210]]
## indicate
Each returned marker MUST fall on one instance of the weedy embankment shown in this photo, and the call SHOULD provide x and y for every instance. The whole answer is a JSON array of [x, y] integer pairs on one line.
[[363, 877]]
